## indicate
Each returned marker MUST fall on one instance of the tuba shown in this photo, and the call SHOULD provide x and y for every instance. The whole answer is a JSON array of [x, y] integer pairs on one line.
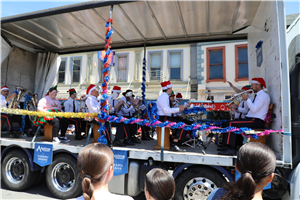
[[16, 100]]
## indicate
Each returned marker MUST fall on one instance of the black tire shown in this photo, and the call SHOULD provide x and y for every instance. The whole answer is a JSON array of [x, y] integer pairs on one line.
[[197, 183], [15, 171], [62, 177]]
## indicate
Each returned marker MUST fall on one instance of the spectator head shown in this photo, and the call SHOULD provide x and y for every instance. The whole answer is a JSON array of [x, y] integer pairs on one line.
[[256, 162], [159, 185], [95, 165]]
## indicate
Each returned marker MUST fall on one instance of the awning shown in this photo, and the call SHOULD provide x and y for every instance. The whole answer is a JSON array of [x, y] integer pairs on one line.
[[81, 27]]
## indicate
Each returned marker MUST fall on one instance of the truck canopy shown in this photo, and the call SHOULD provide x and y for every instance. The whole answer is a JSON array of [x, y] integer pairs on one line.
[[81, 27]]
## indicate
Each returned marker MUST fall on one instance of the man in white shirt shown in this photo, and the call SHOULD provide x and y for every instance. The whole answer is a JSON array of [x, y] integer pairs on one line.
[[255, 119], [4, 102], [123, 131], [165, 111], [71, 106], [94, 106], [127, 110]]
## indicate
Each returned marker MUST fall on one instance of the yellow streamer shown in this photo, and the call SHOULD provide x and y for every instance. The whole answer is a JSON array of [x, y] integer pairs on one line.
[[50, 114]]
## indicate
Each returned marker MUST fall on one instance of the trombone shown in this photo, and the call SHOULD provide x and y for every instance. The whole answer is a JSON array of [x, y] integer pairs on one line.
[[235, 97]]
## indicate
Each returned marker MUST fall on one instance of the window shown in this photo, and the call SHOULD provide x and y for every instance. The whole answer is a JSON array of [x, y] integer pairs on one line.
[[89, 68], [76, 70], [241, 63], [62, 71], [216, 69], [122, 68], [138, 66], [174, 63], [227, 97], [155, 64]]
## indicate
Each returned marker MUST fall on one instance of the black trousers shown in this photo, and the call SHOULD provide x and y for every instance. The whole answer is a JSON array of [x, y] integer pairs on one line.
[[178, 133], [122, 130], [65, 123], [55, 122], [7, 118], [233, 139]]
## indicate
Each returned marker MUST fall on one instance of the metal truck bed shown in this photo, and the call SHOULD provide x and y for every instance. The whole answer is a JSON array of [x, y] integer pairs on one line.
[[141, 151]]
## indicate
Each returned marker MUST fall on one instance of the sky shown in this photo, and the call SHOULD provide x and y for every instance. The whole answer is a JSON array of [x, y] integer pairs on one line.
[[15, 7]]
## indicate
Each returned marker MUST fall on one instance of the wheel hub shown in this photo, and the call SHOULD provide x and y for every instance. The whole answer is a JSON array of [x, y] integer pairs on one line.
[[15, 170], [63, 177], [198, 188]]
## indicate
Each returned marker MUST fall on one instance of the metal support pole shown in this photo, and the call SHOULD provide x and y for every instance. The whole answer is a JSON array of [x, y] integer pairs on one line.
[[72, 72], [162, 144], [89, 135]]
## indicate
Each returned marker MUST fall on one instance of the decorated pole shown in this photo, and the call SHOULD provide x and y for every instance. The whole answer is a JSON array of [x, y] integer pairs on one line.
[[105, 71], [143, 88]]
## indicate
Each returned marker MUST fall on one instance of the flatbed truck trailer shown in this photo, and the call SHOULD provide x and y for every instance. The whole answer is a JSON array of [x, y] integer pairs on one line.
[[196, 174]]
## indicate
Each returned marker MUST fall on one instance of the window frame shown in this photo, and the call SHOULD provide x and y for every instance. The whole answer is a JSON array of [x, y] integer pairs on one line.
[[208, 64], [148, 63], [237, 63], [118, 55], [169, 63], [66, 60], [71, 68]]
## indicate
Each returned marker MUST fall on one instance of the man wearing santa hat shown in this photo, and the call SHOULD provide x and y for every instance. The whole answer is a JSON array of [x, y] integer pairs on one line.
[[4, 101], [255, 118], [165, 112], [94, 106], [123, 131], [71, 106]]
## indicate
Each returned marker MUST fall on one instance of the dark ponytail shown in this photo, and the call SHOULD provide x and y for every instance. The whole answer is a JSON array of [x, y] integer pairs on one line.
[[93, 162], [255, 161]]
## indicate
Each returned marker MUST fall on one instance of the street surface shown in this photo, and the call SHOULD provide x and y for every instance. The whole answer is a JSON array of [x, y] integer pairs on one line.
[[39, 192]]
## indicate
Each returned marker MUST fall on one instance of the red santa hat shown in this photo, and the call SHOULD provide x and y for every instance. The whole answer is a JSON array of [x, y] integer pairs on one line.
[[179, 96], [259, 81], [90, 89], [47, 93], [164, 85], [116, 89], [169, 84], [4, 88]]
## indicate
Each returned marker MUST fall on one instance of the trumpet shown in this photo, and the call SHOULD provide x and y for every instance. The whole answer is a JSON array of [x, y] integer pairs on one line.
[[235, 97]]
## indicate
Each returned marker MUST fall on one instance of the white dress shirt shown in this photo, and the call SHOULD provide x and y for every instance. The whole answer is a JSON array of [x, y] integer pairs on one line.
[[163, 105], [259, 109], [242, 109], [3, 102], [69, 105], [176, 105], [112, 102], [93, 104], [125, 110]]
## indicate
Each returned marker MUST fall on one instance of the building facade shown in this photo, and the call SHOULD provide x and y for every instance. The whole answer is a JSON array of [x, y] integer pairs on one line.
[[192, 68]]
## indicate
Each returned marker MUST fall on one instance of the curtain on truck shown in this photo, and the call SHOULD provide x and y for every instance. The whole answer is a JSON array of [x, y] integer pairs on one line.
[[47, 65], [5, 50]]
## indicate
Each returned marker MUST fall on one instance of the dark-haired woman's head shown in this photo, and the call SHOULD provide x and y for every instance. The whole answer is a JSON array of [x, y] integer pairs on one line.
[[95, 165], [256, 162], [159, 185]]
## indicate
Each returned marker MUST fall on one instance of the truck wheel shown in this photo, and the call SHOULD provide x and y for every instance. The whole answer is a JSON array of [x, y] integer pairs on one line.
[[197, 183], [63, 178], [15, 170]]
